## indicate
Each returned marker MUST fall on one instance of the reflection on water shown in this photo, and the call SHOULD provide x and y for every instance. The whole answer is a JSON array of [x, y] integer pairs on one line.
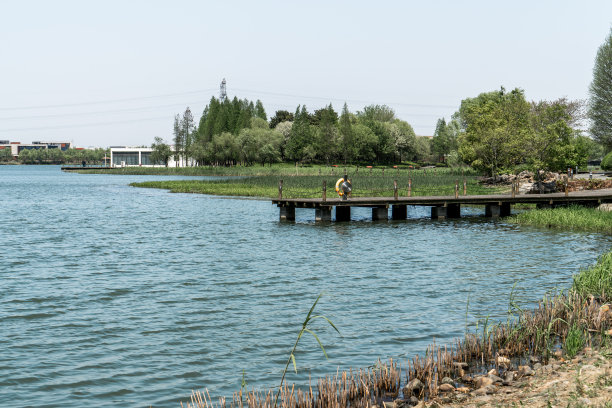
[[115, 295]]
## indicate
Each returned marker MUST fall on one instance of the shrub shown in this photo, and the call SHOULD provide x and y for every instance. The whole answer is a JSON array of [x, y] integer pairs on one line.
[[606, 163]]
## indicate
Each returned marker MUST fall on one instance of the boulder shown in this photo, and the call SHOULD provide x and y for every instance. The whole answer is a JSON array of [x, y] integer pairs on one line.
[[446, 388], [543, 187], [448, 380], [524, 371], [414, 386], [480, 382]]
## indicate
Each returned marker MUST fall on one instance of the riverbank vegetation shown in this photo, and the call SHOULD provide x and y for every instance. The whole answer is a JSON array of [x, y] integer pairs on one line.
[[529, 343], [572, 218]]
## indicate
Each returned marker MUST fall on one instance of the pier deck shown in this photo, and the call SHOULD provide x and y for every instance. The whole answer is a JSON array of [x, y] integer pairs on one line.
[[496, 205]]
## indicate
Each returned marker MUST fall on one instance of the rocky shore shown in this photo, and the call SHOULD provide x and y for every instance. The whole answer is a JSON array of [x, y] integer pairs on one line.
[[546, 182], [584, 381]]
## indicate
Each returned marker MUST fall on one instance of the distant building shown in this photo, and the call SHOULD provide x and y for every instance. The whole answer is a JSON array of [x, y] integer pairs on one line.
[[124, 156], [18, 147]]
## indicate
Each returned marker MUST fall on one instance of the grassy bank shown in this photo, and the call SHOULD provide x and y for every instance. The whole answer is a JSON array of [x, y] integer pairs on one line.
[[365, 184], [574, 217]]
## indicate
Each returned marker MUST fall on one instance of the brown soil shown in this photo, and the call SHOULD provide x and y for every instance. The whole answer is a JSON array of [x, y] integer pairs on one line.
[[585, 381]]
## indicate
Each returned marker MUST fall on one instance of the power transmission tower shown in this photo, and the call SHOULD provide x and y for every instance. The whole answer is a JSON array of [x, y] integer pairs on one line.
[[223, 93]]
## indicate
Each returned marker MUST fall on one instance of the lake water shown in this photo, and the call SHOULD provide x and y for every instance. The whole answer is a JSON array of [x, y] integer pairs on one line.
[[118, 296]]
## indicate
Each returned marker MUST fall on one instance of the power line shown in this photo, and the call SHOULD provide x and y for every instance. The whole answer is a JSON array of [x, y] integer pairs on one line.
[[66, 105], [85, 124], [141, 109]]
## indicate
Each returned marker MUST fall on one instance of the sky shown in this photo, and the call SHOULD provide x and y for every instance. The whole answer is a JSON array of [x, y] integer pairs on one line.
[[109, 73]]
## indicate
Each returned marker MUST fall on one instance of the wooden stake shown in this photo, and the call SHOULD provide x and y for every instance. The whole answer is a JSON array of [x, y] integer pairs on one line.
[[324, 190], [280, 189], [395, 189]]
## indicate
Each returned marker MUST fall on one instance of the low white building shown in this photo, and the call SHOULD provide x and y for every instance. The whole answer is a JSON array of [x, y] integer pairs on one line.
[[123, 156]]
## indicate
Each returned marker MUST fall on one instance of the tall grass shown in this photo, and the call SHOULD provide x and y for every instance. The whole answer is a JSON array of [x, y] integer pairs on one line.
[[596, 280], [422, 182], [573, 217]]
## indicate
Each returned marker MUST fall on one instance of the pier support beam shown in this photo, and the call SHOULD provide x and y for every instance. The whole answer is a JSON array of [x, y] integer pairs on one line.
[[399, 212], [323, 214], [343, 213], [453, 211], [497, 210], [287, 214], [438, 213], [380, 213]]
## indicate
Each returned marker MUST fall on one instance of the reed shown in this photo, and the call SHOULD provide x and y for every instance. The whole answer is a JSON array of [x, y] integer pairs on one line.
[[572, 217]]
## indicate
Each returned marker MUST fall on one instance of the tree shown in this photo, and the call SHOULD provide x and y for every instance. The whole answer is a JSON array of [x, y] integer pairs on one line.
[[161, 151], [178, 139], [260, 112], [281, 116], [381, 113], [403, 138], [600, 92], [326, 140], [300, 137], [284, 128], [186, 128], [5, 154], [347, 138], [497, 128]]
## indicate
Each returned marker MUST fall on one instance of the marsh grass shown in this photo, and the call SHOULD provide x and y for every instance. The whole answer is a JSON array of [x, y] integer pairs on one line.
[[572, 217], [423, 182], [595, 280], [574, 341]]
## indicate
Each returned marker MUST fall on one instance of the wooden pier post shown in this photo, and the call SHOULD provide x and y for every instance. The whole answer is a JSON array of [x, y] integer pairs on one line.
[[324, 190], [409, 187], [287, 214], [323, 214], [280, 189], [464, 187], [380, 213], [456, 188], [343, 213], [395, 189], [513, 190], [399, 212]]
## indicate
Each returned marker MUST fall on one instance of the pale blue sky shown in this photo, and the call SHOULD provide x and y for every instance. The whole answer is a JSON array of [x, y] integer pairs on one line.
[[103, 73]]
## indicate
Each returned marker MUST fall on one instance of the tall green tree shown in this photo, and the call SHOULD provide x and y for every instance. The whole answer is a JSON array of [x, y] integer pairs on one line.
[[600, 93], [178, 139], [326, 140], [260, 112], [497, 128], [299, 145], [347, 137], [187, 133], [281, 116]]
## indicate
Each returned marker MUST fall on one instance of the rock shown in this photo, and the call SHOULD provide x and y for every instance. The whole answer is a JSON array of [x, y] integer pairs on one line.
[[389, 404], [415, 386], [460, 365], [509, 377], [534, 359], [434, 405], [503, 361], [542, 187], [446, 388], [463, 390], [420, 404], [524, 371], [461, 397], [414, 400], [493, 372], [467, 378], [609, 332], [481, 382], [605, 207], [495, 378], [558, 353], [448, 380], [401, 403], [488, 389], [537, 366]]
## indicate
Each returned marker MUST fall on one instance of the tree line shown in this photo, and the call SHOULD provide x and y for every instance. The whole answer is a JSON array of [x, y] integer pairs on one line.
[[55, 156]]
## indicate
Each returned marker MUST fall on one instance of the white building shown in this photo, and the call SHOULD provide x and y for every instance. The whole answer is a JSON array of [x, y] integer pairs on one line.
[[18, 147], [123, 156]]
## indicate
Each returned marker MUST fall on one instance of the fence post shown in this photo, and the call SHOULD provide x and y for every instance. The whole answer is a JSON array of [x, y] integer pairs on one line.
[[383, 172], [324, 190], [456, 188], [395, 189], [280, 189], [409, 187], [566, 187], [464, 187]]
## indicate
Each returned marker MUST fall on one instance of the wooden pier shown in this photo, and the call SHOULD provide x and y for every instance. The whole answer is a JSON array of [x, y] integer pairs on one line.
[[442, 207]]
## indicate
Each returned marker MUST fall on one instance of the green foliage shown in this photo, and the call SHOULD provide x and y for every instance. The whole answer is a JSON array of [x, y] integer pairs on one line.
[[573, 217], [574, 342], [606, 163], [57, 156], [161, 152], [596, 280], [260, 112], [5, 154], [445, 138], [299, 144], [600, 92], [496, 128], [281, 116]]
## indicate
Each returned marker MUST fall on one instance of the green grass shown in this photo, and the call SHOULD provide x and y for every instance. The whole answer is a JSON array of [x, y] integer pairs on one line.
[[596, 280], [573, 217], [424, 182], [574, 341]]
